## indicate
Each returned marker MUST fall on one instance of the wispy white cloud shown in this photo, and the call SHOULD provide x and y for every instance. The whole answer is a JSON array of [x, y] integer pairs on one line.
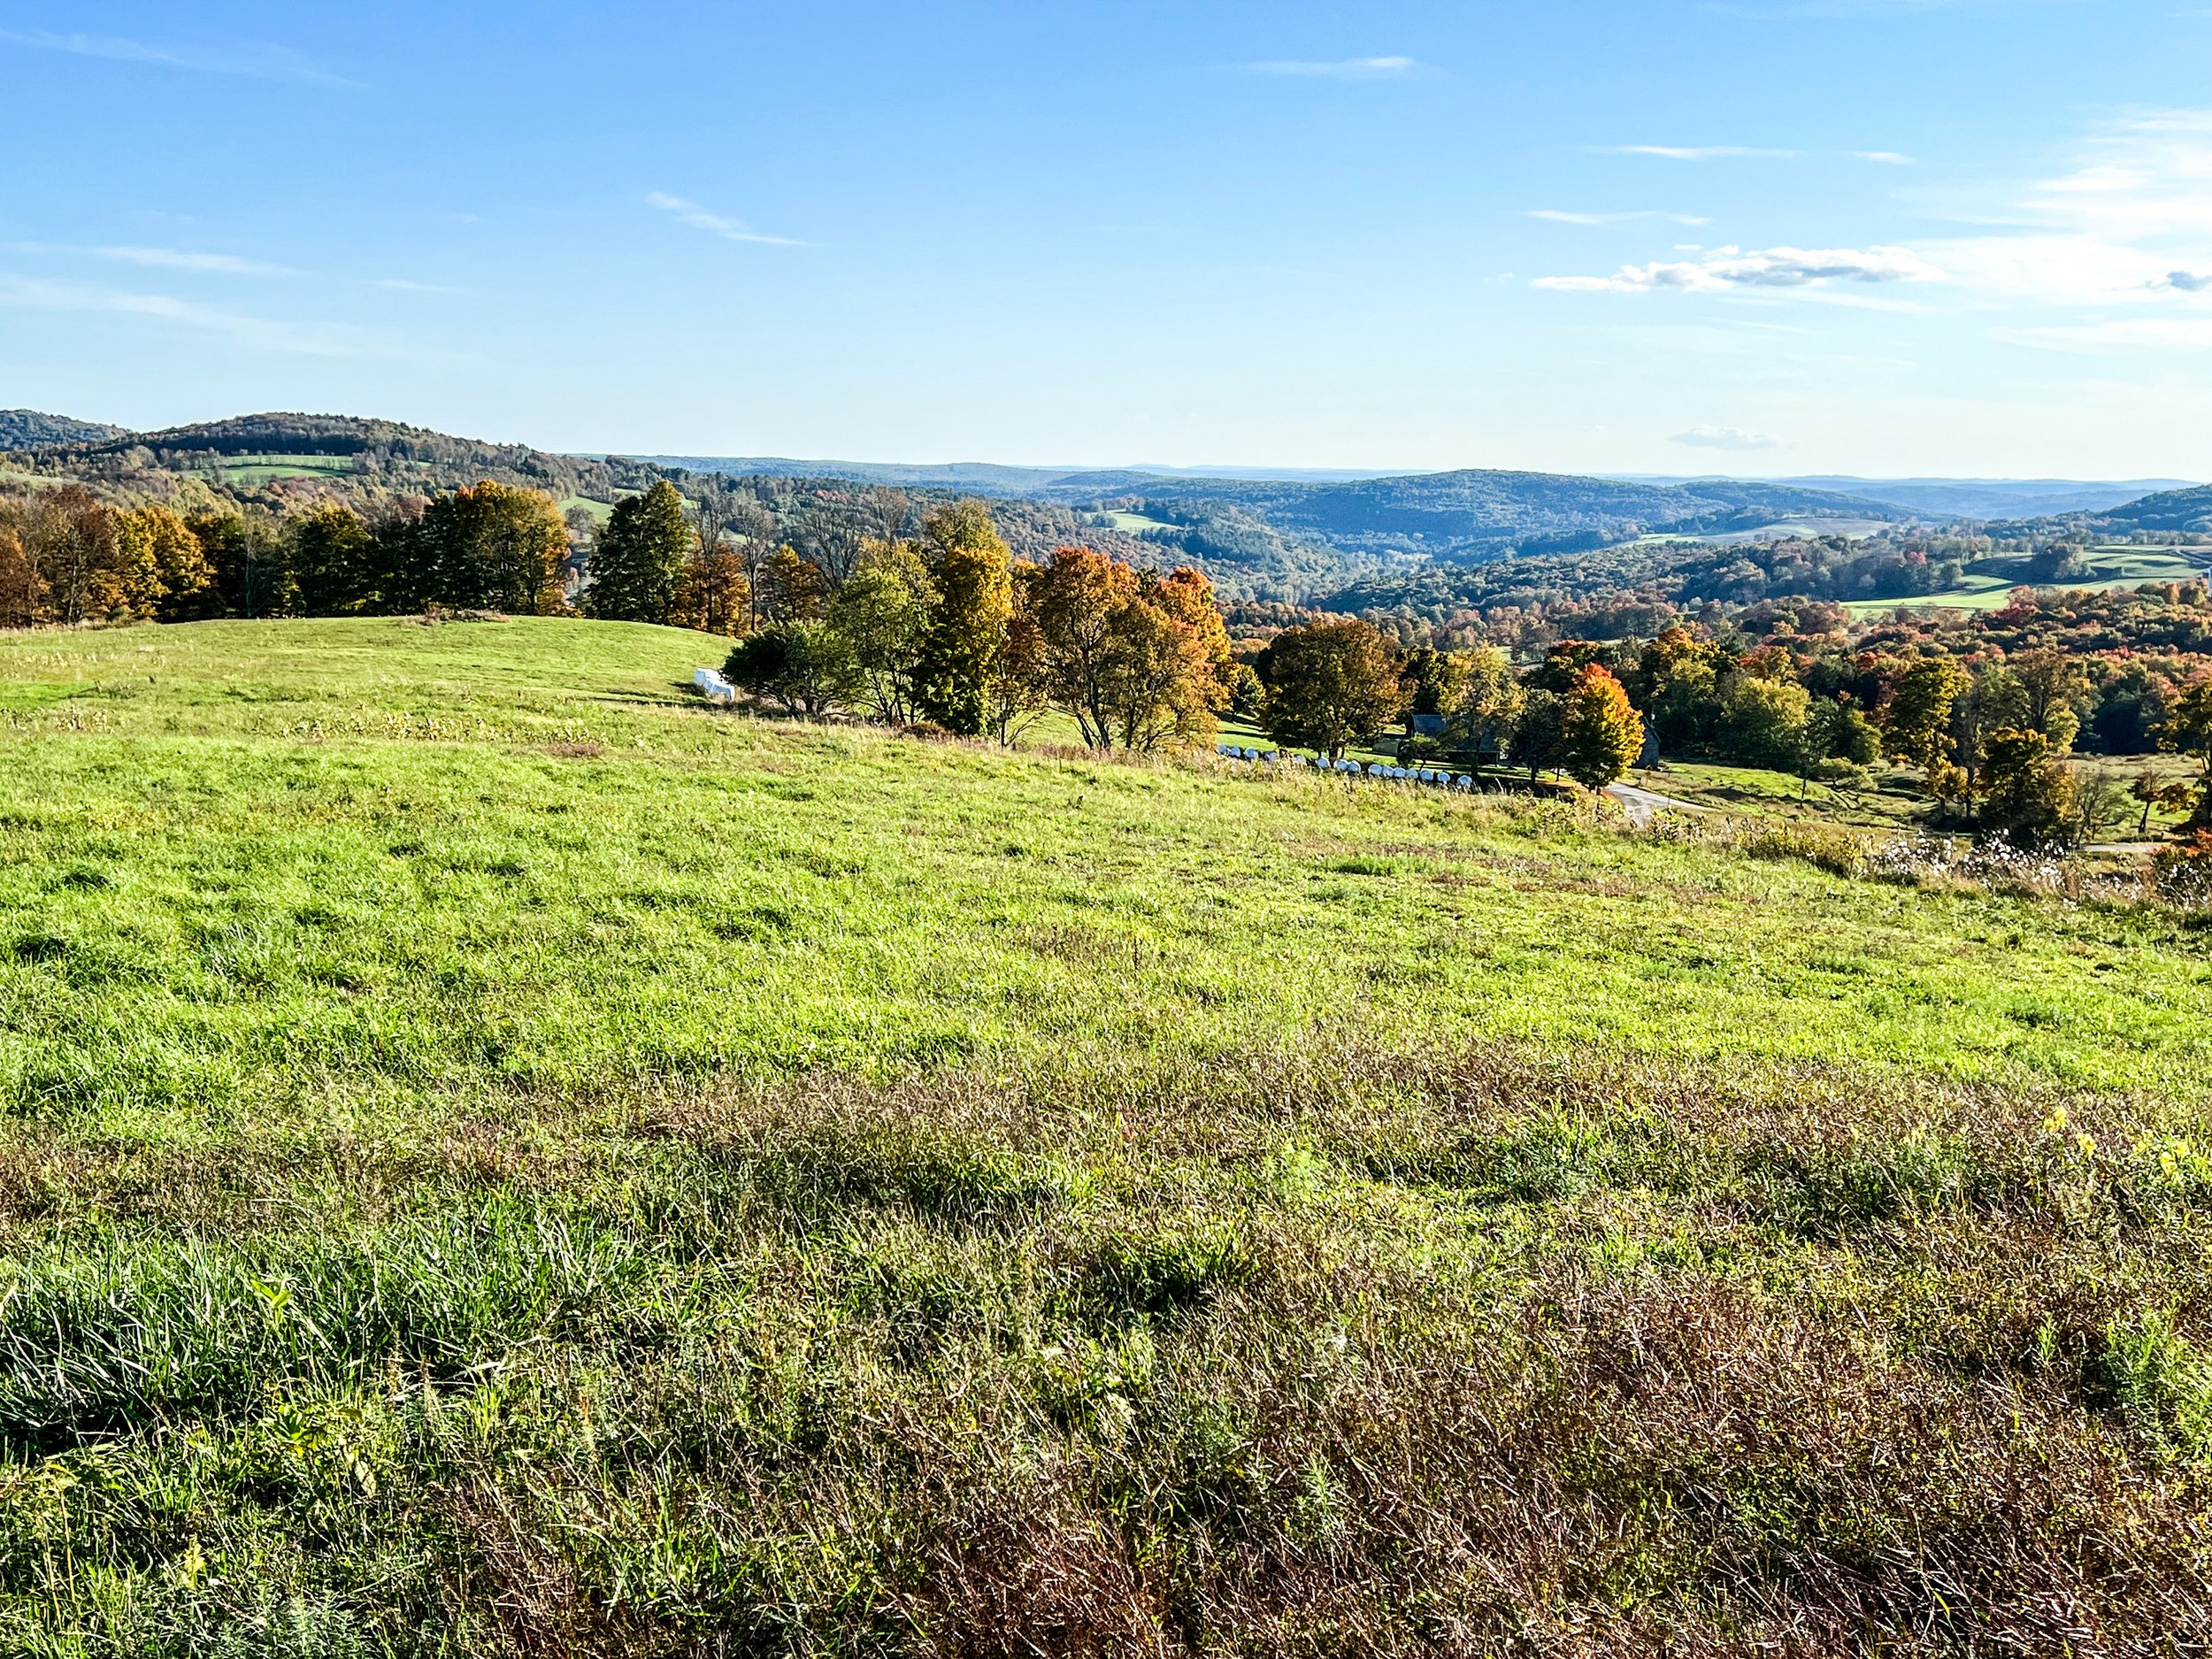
[[2110, 249], [311, 339], [1726, 268], [183, 259], [1559, 216], [1703, 152], [1883, 158], [198, 263], [164, 258], [1729, 438], [1337, 69], [714, 223], [2128, 222], [255, 58]]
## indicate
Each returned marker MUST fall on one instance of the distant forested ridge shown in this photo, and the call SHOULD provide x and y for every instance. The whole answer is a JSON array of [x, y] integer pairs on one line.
[[1478, 515], [1514, 557], [28, 429], [361, 457], [1285, 539], [2185, 512]]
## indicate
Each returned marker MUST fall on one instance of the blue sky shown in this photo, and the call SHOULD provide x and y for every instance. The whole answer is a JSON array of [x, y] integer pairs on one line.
[[1763, 236]]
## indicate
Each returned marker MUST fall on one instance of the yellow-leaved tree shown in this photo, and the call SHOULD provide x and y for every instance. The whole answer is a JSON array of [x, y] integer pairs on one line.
[[1601, 733]]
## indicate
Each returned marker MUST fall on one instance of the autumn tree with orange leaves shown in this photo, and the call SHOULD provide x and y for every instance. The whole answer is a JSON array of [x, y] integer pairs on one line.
[[1601, 733], [1138, 660]]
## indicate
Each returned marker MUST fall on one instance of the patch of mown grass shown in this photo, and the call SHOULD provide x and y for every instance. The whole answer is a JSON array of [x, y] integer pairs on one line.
[[694, 1192]]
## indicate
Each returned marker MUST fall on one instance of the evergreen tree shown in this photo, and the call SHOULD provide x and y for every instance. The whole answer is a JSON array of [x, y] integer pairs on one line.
[[638, 559], [251, 574]]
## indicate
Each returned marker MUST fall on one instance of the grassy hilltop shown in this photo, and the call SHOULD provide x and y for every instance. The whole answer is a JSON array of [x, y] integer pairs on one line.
[[497, 1158]]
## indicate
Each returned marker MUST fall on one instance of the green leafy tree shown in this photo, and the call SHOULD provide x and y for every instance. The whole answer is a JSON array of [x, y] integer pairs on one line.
[[1833, 744], [2130, 706], [2163, 794], [882, 613], [493, 545], [1675, 684], [2098, 806], [971, 601], [2029, 798], [1761, 720], [1489, 699], [1836, 730], [638, 559], [1540, 730], [1561, 671], [1434, 682], [1992, 701], [1601, 732], [1330, 684], [805, 667], [331, 554]]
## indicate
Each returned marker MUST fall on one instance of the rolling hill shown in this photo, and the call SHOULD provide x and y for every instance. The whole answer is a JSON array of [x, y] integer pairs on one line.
[[2185, 512], [1941, 499], [28, 429], [1418, 543], [1479, 514]]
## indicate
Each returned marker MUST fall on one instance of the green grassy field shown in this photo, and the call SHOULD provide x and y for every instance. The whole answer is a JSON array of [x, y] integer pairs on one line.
[[260, 469], [1894, 799], [2108, 567], [495, 1157]]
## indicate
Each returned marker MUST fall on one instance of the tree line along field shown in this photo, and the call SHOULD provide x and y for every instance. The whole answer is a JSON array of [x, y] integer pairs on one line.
[[495, 1157]]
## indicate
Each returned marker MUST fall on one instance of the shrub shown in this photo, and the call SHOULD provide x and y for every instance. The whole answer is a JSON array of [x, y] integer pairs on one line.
[[803, 666]]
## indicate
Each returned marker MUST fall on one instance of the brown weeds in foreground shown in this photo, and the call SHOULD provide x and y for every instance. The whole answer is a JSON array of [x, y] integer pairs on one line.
[[1320, 1351]]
